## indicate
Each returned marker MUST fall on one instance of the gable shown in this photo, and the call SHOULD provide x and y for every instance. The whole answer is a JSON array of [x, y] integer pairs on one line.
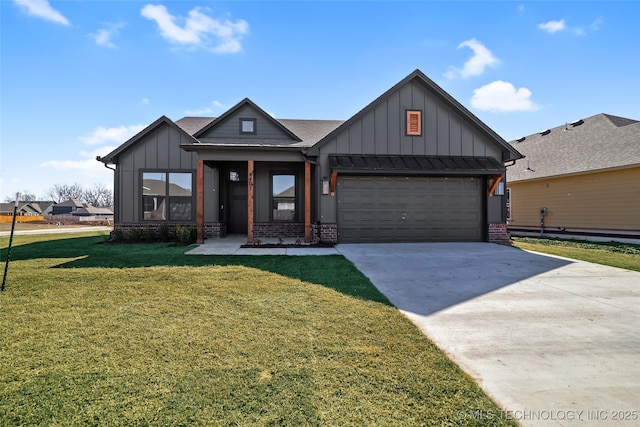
[[445, 127], [230, 129], [163, 130]]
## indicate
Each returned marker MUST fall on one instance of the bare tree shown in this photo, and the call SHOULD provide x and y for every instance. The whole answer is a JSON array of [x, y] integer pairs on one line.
[[99, 196], [62, 192], [24, 196]]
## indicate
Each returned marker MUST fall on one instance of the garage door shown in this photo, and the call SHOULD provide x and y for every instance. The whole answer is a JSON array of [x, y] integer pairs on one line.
[[409, 209]]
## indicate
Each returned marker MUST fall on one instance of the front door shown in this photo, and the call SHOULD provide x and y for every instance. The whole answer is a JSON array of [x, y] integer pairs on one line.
[[237, 215]]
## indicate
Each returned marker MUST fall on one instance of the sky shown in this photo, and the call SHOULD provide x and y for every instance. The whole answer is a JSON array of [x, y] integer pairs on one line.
[[80, 77]]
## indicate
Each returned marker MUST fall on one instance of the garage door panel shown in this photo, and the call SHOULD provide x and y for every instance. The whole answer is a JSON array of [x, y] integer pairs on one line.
[[388, 209]]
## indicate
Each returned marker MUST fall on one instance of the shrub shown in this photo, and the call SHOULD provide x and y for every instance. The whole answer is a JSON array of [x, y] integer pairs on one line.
[[163, 231], [118, 235], [135, 234], [185, 235], [149, 234]]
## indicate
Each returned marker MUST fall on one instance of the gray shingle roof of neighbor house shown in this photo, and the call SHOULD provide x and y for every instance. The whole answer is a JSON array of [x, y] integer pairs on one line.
[[595, 143]]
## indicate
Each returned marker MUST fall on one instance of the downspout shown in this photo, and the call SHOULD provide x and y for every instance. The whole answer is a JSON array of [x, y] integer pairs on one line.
[[116, 211]]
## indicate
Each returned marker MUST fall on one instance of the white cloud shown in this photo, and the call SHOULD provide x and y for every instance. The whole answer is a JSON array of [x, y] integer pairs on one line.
[[198, 30], [42, 9], [501, 96], [115, 134], [207, 110], [87, 163], [552, 26], [144, 101], [482, 58], [103, 35], [219, 104]]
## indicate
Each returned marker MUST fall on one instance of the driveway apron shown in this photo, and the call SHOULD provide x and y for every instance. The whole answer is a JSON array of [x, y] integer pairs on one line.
[[554, 341]]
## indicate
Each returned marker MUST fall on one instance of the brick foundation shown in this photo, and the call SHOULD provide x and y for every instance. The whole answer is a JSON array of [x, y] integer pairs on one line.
[[325, 233], [264, 230], [214, 230], [498, 234]]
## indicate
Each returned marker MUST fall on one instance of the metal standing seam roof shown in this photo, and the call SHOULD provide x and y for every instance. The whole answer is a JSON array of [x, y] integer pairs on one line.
[[595, 143], [416, 164]]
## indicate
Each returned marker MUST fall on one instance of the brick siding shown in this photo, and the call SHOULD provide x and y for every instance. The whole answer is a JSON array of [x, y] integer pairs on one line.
[[498, 234]]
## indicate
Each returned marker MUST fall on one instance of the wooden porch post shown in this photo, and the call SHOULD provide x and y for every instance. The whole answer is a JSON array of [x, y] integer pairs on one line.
[[200, 202], [250, 189], [307, 202]]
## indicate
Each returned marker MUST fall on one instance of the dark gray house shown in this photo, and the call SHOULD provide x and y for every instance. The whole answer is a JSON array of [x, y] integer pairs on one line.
[[414, 165]]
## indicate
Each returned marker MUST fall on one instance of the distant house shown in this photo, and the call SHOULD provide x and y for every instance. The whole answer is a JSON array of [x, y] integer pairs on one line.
[[413, 165], [36, 208], [581, 177], [93, 212], [67, 207]]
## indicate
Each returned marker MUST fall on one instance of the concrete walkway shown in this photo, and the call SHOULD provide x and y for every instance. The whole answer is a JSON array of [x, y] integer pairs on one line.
[[554, 341], [232, 245]]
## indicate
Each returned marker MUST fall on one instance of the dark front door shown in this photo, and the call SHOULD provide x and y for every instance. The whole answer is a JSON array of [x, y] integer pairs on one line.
[[237, 215]]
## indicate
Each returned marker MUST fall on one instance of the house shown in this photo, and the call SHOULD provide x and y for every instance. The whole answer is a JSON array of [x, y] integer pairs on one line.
[[581, 177], [413, 165], [35, 208], [92, 213], [67, 207]]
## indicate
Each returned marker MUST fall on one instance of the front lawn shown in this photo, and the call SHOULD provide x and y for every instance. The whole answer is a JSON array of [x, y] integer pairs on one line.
[[102, 334]]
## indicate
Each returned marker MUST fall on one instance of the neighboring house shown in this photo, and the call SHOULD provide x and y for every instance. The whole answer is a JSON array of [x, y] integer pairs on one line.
[[414, 165], [67, 207], [93, 213], [27, 208], [581, 177]]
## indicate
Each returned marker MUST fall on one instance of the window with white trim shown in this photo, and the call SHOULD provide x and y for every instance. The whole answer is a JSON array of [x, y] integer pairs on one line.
[[508, 203]]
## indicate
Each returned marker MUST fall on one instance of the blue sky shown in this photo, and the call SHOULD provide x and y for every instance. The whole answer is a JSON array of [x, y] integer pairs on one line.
[[79, 77]]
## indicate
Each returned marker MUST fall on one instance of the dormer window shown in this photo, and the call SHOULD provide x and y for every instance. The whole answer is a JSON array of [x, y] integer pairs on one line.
[[248, 126]]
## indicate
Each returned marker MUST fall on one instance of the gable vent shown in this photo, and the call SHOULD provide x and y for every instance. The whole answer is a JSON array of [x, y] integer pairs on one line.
[[545, 132], [576, 123], [414, 123]]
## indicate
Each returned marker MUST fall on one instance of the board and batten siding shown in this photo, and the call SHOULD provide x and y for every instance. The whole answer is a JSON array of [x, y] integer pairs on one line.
[[600, 201], [230, 127], [381, 131], [159, 150]]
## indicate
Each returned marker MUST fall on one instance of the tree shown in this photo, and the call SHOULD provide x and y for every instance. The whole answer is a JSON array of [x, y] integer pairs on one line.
[[25, 196], [62, 192], [99, 196]]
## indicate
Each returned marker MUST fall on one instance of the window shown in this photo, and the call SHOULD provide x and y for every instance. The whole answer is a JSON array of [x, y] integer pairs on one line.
[[248, 126], [283, 197], [167, 196], [414, 123], [508, 193]]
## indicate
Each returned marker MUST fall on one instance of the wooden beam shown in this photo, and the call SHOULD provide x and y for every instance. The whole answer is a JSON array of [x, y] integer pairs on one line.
[[250, 199], [493, 182], [200, 202], [332, 185], [307, 202]]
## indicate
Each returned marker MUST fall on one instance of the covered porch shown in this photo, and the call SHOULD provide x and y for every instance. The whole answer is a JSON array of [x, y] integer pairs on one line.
[[260, 198]]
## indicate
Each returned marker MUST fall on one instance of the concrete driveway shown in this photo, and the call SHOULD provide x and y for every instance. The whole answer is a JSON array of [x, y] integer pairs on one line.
[[555, 342]]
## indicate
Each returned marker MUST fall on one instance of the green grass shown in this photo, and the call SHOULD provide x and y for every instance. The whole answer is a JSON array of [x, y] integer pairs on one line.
[[102, 334], [621, 255]]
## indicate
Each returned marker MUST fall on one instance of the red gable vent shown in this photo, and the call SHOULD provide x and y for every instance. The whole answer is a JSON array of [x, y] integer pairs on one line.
[[414, 123]]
